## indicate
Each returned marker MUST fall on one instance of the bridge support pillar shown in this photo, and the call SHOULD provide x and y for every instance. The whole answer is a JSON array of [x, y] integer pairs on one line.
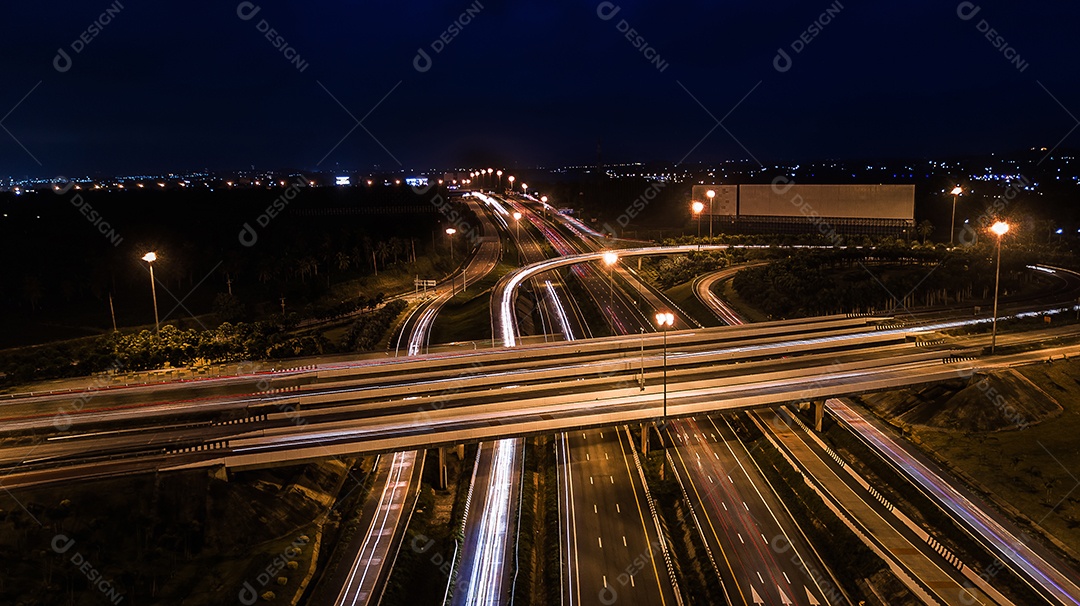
[[219, 472], [819, 414], [645, 427], [442, 468]]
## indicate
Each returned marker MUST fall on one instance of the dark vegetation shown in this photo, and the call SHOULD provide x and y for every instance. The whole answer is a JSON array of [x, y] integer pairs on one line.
[[320, 254], [184, 537], [822, 282]]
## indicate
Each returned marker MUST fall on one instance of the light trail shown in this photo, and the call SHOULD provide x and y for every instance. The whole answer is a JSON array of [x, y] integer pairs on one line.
[[1004, 542], [485, 582]]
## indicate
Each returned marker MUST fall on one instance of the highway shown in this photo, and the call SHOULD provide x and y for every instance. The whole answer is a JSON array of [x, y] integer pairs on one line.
[[751, 535], [399, 474], [333, 423], [609, 533], [929, 576], [1052, 578]]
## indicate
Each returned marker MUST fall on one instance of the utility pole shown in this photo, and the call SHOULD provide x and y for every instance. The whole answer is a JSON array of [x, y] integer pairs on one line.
[[112, 312]]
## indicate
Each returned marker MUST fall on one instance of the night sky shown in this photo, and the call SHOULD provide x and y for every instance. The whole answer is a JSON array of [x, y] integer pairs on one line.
[[176, 86]]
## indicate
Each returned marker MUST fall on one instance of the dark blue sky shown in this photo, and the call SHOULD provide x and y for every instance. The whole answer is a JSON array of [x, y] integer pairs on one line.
[[180, 86]]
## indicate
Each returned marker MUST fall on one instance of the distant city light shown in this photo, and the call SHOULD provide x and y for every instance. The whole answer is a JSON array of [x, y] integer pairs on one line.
[[344, 181]]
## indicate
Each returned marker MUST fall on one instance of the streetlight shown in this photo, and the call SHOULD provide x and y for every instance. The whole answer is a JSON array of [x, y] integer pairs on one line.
[[664, 320], [450, 231], [697, 207], [517, 235], [150, 258], [525, 188], [610, 259], [543, 200], [498, 173], [711, 194], [956, 191], [511, 180], [1000, 229]]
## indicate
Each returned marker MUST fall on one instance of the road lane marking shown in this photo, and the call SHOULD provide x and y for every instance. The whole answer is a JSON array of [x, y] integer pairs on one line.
[[740, 538], [785, 577], [599, 542], [760, 578], [624, 540]]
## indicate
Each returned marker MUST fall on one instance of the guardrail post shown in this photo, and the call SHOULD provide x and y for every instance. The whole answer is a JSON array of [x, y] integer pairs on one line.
[[819, 414]]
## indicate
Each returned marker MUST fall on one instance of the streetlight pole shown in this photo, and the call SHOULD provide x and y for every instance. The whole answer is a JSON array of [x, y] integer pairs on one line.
[[150, 258], [610, 259], [499, 174], [697, 207], [664, 320], [511, 180], [517, 235], [711, 194], [1000, 229], [641, 382], [956, 191]]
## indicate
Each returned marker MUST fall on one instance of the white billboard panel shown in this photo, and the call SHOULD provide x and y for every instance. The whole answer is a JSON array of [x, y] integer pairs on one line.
[[841, 201]]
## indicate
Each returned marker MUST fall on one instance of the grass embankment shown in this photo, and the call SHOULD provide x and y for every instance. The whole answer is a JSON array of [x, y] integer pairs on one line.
[[184, 537], [467, 316], [538, 574], [685, 298], [919, 507], [421, 572], [1012, 434], [852, 562], [700, 585], [726, 291]]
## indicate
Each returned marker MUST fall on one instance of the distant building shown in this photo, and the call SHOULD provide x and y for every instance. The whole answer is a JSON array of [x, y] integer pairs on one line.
[[789, 208]]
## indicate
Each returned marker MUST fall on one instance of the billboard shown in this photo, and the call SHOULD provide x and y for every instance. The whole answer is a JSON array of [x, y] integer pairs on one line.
[[840, 201], [725, 201]]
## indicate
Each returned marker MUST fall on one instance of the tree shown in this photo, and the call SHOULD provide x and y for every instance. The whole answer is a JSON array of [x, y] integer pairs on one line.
[[227, 307], [925, 229]]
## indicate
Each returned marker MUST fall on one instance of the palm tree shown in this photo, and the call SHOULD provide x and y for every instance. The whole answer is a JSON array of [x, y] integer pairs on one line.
[[383, 251], [925, 229], [343, 261]]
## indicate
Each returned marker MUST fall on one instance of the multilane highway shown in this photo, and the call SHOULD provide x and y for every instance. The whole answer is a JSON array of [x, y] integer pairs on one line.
[[1052, 578], [610, 537]]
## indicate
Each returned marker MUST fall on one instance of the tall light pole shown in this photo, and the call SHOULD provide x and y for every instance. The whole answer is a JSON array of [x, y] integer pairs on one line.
[[1000, 229], [489, 171], [450, 232], [641, 381], [665, 320], [610, 259], [517, 235], [498, 173], [956, 191], [525, 188], [711, 194], [543, 201], [150, 258], [697, 207], [511, 180]]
